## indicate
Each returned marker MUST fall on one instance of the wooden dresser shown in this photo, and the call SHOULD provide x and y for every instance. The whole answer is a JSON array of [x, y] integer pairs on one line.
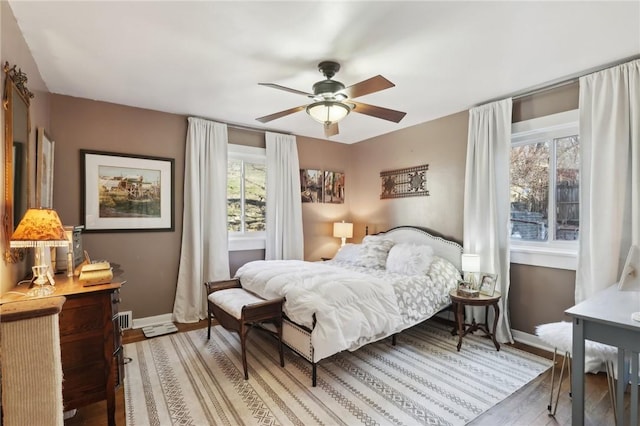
[[90, 341]]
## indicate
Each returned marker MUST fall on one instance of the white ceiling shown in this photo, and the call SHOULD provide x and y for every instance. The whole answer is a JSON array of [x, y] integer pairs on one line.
[[206, 58]]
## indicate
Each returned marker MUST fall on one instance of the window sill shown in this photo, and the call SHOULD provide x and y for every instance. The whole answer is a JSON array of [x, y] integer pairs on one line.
[[559, 258], [241, 244]]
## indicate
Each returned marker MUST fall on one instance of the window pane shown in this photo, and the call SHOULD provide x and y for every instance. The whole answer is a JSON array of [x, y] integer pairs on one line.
[[255, 190], [530, 191], [234, 179], [567, 188]]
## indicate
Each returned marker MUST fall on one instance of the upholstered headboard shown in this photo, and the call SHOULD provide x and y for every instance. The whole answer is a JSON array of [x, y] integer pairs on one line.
[[443, 247]]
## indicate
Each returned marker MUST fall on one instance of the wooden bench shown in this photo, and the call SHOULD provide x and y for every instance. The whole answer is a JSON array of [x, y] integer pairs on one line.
[[239, 310]]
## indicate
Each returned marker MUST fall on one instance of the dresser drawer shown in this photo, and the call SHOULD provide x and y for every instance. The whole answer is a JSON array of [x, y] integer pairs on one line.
[[81, 352], [84, 384], [83, 315]]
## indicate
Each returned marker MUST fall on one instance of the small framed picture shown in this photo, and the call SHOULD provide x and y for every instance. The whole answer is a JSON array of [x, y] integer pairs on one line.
[[488, 283]]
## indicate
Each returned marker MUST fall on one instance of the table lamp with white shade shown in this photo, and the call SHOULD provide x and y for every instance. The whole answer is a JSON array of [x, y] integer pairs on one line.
[[630, 275], [42, 229], [343, 230], [470, 264]]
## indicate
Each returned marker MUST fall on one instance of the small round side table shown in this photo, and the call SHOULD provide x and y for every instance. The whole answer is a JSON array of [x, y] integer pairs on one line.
[[461, 328]]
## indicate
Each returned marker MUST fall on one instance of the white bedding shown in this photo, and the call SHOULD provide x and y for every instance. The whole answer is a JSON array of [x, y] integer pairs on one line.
[[352, 305]]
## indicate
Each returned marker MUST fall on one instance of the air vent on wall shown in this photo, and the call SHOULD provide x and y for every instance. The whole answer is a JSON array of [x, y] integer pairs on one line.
[[124, 319]]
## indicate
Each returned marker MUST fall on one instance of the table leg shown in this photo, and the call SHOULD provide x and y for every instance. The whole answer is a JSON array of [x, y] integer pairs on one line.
[[454, 309], [496, 314], [577, 374], [634, 388], [460, 317]]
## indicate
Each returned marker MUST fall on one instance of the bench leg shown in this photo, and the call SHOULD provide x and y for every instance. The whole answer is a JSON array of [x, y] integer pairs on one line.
[[244, 330], [314, 374], [208, 322], [279, 326]]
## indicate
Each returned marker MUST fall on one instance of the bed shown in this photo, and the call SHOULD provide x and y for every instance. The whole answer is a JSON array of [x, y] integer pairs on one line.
[[369, 291]]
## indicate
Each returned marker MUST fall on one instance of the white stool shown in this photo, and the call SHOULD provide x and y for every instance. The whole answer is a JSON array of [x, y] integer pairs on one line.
[[559, 335]]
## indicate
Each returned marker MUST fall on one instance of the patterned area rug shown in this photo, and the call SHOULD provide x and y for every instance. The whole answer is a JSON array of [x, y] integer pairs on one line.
[[183, 379]]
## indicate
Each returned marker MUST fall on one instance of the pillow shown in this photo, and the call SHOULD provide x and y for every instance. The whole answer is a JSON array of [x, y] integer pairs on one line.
[[374, 251], [410, 259], [348, 253]]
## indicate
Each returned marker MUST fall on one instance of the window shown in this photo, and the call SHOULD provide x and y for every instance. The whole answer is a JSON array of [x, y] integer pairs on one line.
[[544, 191], [246, 197]]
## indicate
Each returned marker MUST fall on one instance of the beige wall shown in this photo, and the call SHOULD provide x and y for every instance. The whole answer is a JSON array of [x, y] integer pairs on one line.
[[441, 144], [13, 49], [539, 295], [149, 259]]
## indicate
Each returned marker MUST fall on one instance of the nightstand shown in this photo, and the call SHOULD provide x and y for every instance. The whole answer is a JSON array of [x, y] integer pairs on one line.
[[461, 328]]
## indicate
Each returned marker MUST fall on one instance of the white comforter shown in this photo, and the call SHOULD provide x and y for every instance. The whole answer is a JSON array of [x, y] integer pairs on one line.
[[351, 308]]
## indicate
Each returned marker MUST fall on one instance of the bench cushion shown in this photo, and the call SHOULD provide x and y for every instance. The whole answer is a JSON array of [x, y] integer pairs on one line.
[[232, 300]]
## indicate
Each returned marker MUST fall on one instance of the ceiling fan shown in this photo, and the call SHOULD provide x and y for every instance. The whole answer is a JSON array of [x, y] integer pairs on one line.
[[332, 101]]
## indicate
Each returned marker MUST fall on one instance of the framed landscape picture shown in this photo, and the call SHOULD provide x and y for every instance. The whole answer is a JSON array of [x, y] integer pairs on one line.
[[122, 192]]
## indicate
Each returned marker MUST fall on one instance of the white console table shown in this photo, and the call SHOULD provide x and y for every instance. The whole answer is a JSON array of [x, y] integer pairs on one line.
[[606, 317]]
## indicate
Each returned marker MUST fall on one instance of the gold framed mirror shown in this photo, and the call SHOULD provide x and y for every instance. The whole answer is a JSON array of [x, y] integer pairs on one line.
[[17, 126]]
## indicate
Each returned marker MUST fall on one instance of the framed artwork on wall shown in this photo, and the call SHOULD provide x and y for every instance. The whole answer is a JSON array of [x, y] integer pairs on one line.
[[123, 192], [311, 185], [333, 187], [44, 169], [409, 182]]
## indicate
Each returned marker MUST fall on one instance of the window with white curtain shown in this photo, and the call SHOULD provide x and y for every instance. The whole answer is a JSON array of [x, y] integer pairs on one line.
[[544, 191], [246, 197]]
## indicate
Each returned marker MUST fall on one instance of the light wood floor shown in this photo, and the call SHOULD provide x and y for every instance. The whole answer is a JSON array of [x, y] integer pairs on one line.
[[526, 407]]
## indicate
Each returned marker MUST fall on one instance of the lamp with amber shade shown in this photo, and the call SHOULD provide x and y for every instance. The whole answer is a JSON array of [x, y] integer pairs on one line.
[[42, 229]]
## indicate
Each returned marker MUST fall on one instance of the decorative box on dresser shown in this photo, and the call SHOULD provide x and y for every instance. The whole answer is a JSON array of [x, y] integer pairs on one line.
[[90, 341]]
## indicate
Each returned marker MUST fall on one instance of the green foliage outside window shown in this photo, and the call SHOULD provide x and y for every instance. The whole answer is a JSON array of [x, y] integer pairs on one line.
[[246, 201]]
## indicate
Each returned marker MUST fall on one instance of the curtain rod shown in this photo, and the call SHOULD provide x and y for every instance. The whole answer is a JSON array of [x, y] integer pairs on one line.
[[254, 129], [560, 82], [242, 126]]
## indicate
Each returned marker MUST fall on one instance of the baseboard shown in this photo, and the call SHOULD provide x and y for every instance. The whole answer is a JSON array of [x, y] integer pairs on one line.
[[530, 339], [154, 320]]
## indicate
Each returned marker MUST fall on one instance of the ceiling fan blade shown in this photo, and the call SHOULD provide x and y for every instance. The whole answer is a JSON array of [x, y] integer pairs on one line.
[[331, 130], [378, 112], [270, 117], [286, 89], [372, 85]]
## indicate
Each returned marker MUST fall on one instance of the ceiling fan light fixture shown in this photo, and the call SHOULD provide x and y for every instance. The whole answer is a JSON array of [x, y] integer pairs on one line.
[[327, 112]]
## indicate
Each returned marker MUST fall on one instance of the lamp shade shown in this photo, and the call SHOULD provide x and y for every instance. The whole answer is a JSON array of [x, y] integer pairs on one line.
[[39, 228], [328, 111], [471, 263], [343, 230]]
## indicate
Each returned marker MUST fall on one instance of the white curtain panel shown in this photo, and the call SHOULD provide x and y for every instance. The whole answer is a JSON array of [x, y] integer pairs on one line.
[[284, 208], [204, 255], [486, 200], [610, 175]]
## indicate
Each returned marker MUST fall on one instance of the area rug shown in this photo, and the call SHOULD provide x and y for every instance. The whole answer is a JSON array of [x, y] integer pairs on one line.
[[185, 379]]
